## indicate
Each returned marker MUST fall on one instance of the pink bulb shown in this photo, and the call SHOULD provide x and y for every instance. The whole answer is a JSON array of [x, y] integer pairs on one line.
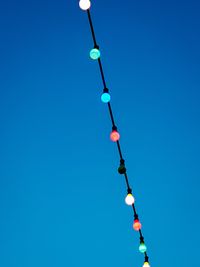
[[114, 136], [137, 225]]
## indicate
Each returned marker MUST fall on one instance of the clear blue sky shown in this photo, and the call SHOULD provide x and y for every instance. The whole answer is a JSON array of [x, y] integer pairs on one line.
[[61, 198]]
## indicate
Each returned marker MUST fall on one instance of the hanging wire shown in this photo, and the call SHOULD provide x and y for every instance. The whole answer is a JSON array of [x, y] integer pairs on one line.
[[85, 5]]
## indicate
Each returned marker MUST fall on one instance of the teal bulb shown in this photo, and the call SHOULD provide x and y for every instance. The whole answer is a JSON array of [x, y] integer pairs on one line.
[[105, 97], [142, 248], [95, 53]]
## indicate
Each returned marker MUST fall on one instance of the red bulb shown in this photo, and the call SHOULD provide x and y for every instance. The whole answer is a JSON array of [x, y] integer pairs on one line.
[[137, 225], [114, 136]]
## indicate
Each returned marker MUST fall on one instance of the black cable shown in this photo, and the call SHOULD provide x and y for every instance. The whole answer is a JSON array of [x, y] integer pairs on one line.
[[119, 149], [111, 114], [113, 125], [127, 182], [91, 27], [102, 74]]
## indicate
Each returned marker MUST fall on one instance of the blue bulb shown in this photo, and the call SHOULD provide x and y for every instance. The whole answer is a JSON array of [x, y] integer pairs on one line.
[[95, 53], [105, 97]]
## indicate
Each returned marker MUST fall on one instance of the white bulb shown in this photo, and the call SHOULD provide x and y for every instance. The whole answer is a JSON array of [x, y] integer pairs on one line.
[[146, 264], [84, 4], [129, 199]]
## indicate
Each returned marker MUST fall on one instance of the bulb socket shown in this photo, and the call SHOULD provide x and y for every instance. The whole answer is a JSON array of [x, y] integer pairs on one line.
[[136, 217], [105, 90], [141, 239], [96, 46], [129, 190], [114, 128]]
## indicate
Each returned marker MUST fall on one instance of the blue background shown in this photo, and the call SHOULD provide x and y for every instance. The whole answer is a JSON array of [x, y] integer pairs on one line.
[[61, 198]]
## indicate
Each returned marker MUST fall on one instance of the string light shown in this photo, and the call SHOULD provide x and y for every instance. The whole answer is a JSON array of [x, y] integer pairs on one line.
[[129, 200], [137, 225], [122, 168], [95, 53], [114, 135], [105, 97], [142, 248], [84, 4]]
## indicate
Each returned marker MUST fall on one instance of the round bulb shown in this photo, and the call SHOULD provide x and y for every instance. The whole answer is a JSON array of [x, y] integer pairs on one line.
[[84, 4], [105, 97], [95, 53], [122, 169], [137, 225], [142, 247], [129, 199], [146, 264], [114, 136]]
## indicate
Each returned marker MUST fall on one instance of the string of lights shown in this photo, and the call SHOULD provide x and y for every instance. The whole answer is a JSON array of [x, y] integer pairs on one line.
[[95, 54]]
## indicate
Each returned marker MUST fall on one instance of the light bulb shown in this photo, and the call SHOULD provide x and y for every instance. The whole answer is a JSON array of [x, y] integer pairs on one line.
[[129, 200], [114, 136], [122, 169], [105, 97], [137, 225], [95, 53], [146, 264], [142, 247], [84, 4]]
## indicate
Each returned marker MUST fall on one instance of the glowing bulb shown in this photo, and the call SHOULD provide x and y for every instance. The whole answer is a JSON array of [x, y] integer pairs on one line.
[[114, 136], [146, 264], [137, 225], [84, 4], [142, 247], [129, 200], [95, 53], [105, 97]]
